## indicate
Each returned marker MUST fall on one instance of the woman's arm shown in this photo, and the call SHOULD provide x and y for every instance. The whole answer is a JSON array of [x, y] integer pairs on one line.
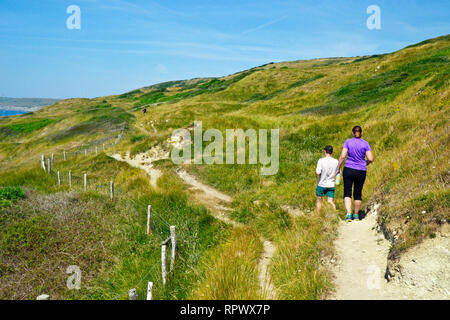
[[341, 159], [369, 156]]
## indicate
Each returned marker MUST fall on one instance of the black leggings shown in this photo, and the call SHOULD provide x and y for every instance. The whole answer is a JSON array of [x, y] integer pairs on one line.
[[353, 176]]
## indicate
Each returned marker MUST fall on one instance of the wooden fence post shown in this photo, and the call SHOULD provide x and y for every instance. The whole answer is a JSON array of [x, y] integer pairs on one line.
[[85, 182], [70, 179], [48, 165], [103, 147], [149, 290], [163, 263], [64, 155], [43, 162], [173, 238], [111, 189], [59, 179], [52, 159], [96, 151], [149, 214], [85, 152], [132, 295]]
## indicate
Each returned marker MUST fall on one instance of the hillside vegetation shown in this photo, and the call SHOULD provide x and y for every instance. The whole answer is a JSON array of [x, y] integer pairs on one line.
[[400, 99]]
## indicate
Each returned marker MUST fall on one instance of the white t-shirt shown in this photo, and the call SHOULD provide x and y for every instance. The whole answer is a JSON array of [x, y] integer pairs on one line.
[[326, 168]]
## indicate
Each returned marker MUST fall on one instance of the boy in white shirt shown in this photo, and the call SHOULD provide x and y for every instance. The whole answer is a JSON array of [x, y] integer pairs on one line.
[[326, 170]]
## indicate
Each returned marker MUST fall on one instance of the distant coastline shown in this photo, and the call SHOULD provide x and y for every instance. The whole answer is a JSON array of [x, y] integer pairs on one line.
[[20, 109], [23, 105]]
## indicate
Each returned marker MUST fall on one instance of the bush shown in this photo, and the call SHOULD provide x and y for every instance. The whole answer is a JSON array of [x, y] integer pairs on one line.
[[30, 234], [11, 193], [137, 138]]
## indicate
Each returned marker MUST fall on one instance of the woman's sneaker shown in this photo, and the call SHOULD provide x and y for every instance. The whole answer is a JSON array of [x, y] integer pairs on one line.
[[348, 217], [355, 217]]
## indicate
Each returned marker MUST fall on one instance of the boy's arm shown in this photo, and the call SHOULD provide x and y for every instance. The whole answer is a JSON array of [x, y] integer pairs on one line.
[[318, 168], [337, 170]]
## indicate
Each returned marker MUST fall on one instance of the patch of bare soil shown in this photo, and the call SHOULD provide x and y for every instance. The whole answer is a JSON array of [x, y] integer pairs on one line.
[[361, 268]]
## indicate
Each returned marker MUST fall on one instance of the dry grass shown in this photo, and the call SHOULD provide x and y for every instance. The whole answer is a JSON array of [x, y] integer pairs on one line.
[[402, 106], [230, 272], [42, 236], [298, 268]]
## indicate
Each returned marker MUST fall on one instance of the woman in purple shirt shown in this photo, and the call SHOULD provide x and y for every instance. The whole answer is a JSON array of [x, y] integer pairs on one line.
[[355, 168]]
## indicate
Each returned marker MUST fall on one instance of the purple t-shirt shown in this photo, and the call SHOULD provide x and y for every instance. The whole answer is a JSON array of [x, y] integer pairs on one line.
[[357, 149]]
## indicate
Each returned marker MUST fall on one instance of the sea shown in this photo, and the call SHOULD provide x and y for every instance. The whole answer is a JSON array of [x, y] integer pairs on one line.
[[5, 113]]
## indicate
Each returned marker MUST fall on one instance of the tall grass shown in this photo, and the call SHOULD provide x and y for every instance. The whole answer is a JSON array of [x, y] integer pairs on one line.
[[53, 228], [400, 99]]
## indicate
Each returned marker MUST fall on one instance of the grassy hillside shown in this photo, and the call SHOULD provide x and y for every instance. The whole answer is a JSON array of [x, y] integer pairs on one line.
[[400, 99]]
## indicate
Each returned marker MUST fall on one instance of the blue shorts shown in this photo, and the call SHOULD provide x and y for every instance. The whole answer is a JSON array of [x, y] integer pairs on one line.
[[322, 192]]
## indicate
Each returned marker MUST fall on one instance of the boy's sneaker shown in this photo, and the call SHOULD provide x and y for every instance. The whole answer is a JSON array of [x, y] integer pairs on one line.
[[348, 217], [355, 217]]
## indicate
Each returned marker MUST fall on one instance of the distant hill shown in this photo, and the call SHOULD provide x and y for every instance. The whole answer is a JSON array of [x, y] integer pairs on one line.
[[25, 104], [401, 100]]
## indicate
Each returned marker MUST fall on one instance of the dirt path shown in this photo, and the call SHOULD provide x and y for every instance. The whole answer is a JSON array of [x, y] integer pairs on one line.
[[154, 129], [144, 161], [362, 260], [361, 251], [265, 282], [213, 199]]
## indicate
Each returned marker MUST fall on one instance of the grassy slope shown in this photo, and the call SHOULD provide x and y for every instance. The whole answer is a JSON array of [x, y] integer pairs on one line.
[[54, 227], [400, 99]]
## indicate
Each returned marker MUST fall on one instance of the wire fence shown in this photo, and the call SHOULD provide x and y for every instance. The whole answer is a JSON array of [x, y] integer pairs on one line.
[[156, 230], [97, 146], [137, 286], [156, 223]]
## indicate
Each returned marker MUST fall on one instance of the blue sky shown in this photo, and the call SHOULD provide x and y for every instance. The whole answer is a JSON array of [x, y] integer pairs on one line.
[[127, 44]]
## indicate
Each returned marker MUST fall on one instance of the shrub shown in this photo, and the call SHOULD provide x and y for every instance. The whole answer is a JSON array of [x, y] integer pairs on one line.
[[137, 138], [30, 234], [11, 193]]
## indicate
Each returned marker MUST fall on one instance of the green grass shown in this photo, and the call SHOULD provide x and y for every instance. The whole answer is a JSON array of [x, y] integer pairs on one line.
[[11, 193], [34, 234], [29, 126], [137, 138], [112, 248], [403, 107], [382, 88], [105, 118], [130, 94]]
